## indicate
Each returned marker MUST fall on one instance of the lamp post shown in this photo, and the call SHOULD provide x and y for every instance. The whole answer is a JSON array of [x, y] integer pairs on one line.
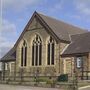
[[75, 80]]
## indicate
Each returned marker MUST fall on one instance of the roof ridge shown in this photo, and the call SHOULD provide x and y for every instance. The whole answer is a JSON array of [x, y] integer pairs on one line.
[[81, 33], [61, 21]]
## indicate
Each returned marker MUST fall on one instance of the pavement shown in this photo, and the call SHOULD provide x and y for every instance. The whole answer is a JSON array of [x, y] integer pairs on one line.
[[85, 88], [17, 87]]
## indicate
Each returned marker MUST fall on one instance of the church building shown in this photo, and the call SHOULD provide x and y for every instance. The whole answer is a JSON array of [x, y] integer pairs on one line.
[[48, 47]]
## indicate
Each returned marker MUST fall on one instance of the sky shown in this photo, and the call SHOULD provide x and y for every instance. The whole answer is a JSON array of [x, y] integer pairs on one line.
[[14, 15]]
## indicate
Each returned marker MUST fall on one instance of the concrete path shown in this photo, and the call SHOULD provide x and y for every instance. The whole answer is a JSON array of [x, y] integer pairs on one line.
[[15, 87], [85, 88]]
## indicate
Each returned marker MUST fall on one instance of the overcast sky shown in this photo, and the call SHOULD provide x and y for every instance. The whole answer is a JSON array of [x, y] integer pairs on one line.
[[16, 14]]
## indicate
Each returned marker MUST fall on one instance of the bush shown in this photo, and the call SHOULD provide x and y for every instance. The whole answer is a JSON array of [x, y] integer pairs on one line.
[[42, 79], [49, 82], [63, 78]]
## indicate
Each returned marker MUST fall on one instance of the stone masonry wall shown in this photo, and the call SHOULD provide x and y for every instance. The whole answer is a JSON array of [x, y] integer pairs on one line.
[[44, 69]]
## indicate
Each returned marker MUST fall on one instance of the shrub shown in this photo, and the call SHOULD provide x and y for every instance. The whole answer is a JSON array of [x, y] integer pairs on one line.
[[63, 78]]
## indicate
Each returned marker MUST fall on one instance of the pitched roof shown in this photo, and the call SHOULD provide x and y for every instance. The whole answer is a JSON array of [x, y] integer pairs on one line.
[[9, 56], [80, 44], [60, 28]]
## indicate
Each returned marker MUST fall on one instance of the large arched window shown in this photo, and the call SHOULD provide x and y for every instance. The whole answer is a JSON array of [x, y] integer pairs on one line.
[[24, 54], [50, 51], [36, 51]]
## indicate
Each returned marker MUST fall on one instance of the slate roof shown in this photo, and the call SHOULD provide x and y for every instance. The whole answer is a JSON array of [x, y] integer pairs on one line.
[[9, 56], [80, 44], [60, 29]]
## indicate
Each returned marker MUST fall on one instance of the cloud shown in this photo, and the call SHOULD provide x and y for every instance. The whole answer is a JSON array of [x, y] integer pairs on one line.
[[7, 36], [5, 46], [18, 4], [83, 6], [56, 7], [8, 28]]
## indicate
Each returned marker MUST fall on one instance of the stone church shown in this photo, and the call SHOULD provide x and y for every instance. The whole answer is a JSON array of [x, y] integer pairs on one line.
[[48, 47]]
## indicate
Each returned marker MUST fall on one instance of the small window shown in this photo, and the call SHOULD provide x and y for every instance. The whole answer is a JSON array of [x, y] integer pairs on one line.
[[79, 62]]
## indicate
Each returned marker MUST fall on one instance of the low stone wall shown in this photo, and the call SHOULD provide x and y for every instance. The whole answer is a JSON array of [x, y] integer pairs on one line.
[[49, 84], [40, 81]]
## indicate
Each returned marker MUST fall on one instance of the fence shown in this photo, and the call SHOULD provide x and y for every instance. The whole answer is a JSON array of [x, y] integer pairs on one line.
[[85, 75]]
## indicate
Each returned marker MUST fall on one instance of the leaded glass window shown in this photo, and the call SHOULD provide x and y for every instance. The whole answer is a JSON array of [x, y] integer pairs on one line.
[[24, 54], [50, 51], [37, 51]]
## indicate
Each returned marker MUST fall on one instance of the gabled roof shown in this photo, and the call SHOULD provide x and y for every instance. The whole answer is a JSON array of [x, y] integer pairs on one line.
[[80, 44], [59, 29], [9, 56]]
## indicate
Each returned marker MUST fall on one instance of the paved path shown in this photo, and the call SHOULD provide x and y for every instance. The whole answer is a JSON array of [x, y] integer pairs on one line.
[[85, 88], [14, 87], [17, 87]]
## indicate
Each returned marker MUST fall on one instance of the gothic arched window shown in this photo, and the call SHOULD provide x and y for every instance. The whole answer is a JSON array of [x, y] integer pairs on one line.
[[24, 54], [50, 52], [36, 51]]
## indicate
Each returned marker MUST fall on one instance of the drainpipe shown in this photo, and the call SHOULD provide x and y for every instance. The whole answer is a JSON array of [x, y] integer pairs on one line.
[[59, 58], [75, 80]]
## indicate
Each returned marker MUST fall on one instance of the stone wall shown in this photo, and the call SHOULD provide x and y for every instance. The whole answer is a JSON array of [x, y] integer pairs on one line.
[[68, 66], [82, 72], [36, 28], [44, 69]]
